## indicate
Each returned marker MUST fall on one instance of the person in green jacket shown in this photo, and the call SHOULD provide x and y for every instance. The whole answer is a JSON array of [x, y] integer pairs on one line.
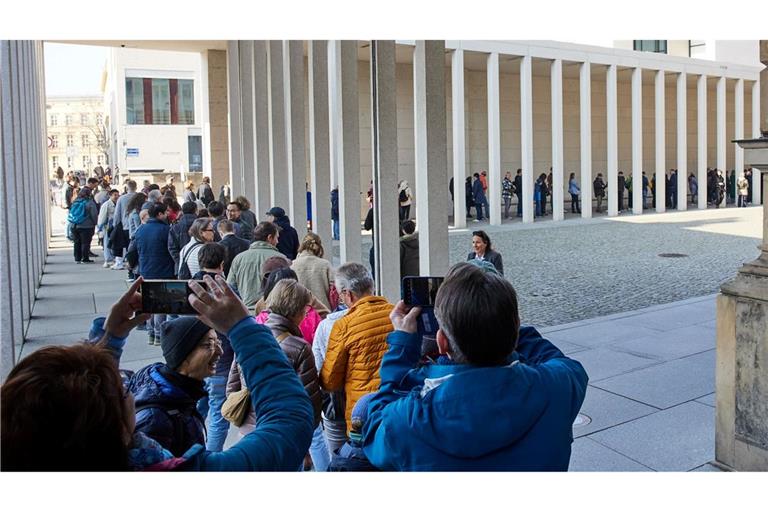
[[245, 272]]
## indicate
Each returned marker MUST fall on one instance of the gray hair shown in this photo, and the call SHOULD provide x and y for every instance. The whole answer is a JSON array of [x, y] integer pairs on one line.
[[288, 298], [154, 196], [355, 278]]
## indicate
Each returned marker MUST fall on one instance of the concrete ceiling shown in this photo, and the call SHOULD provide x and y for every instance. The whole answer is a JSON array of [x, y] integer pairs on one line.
[[164, 45]]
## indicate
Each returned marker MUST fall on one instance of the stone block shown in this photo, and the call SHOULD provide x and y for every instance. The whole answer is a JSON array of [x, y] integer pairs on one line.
[[667, 384], [725, 379], [602, 363], [677, 439], [608, 410], [589, 455]]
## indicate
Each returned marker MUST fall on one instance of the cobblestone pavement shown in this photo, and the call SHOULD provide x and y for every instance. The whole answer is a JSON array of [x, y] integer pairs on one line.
[[579, 269]]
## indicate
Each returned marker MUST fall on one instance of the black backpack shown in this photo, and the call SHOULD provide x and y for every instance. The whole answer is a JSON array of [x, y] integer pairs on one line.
[[176, 415], [403, 196]]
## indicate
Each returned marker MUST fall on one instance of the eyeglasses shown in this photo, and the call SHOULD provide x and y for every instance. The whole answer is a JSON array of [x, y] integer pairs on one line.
[[208, 230]]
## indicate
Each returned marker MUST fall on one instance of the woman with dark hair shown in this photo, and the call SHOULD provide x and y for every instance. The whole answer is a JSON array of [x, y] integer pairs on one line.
[[66, 408], [481, 250], [83, 215], [174, 209], [247, 218], [200, 233], [134, 209]]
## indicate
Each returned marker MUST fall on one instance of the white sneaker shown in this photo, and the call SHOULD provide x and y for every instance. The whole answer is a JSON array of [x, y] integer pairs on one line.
[[117, 267]]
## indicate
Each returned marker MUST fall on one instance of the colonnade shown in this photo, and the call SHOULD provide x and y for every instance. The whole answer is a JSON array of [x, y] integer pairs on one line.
[[24, 192]]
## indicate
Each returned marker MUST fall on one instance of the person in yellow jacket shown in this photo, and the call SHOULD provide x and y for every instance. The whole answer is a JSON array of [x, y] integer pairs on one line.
[[358, 339]]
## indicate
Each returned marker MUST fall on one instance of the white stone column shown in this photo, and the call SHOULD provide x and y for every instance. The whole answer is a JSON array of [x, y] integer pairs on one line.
[[349, 156], [494, 141], [612, 138], [738, 133], [756, 181], [459, 139], [660, 148], [526, 136], [430, 139], [585, 115], [319, 151], [203, 101], [235, 124], [637, 140], [278, 156], [293, 83], [557, 140], [720, 133], [701, 119], [247, 119], [262, 200], [385, 169], [682, 146]]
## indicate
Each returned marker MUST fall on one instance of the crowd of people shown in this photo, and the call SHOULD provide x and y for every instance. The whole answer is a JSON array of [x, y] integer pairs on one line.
[[314, 368]]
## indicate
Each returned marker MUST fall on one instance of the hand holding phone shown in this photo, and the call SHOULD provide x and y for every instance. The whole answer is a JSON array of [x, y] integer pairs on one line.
[[166, 296], [421, 292], [404, 318]]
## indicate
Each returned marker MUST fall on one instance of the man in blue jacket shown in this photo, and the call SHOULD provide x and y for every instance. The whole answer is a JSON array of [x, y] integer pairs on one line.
[[501, 398], [478, 196], [155, 261]]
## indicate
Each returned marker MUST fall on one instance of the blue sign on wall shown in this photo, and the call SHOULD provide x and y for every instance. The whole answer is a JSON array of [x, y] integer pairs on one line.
[[132, 152]]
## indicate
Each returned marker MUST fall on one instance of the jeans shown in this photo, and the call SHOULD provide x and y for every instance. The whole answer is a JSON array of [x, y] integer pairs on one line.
[[156, 326], [405, 213], [108, 256], [575, 205], [335, 229], [82, 243], [742, 201], [507, 205], [599, 203], [210, 407], [519, 205], [538, 208], [479, 210], [318, 450]]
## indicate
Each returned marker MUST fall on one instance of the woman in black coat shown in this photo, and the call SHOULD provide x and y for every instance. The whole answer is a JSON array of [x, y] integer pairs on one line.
[[481, 245]]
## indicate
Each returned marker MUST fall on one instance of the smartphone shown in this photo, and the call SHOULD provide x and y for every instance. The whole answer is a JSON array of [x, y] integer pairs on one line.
[[422, 292], [166, 296]]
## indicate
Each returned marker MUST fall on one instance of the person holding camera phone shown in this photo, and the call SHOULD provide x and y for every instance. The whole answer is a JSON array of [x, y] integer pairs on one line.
[[504, 398]]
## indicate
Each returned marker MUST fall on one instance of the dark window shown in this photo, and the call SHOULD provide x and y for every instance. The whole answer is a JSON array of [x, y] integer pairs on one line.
[[651, 45], [159, 101]]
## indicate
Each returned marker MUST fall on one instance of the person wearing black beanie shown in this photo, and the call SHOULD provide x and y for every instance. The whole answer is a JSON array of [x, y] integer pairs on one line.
[[167, 393]]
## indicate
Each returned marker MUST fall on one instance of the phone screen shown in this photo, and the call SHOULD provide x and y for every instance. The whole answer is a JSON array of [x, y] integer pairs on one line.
[[420, 291], [166, 297]]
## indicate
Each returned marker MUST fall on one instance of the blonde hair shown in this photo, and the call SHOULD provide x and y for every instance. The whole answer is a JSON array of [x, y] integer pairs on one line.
[[288, 298], [190, 185], [313, 244]]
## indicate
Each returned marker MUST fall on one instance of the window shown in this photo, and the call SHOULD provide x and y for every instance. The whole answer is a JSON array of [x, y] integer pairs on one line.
[[70, 162], [86, 141], [160, 101], [651, 45], [54, 141], [54, 120], [70, 141], [99, 119], [68, 120], [55, 161], [98, 159], [86, 161], [84, 119], [100, 141]]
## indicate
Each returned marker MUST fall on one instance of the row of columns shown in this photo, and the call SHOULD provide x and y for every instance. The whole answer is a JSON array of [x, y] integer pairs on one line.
[[585, 107], [23, 239]]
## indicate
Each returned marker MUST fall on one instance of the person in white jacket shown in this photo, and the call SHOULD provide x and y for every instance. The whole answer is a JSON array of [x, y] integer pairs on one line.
[[105, 223]]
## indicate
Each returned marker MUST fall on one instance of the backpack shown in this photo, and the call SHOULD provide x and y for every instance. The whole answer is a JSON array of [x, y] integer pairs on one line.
[[184, 272], [177, 417], [403, 196], [77, 213]]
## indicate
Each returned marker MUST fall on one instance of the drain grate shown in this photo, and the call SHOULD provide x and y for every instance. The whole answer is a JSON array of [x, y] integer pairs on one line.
[[672, 255], [582, 420]]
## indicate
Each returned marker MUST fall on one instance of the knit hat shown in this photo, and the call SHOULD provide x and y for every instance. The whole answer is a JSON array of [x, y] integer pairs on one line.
[[487, 266], [360, 414], [276, 212], [179, 339]]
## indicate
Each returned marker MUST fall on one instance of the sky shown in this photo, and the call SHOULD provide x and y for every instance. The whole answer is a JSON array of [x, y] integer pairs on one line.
[[73, 70]]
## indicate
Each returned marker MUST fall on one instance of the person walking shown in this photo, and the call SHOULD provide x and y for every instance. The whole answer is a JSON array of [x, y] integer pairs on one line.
[[313, 270], [155, 262], [404, 199], [507, 189], [106, 225], [743, 188], [335, 212], [599, 187], [575, 191], [84, 216], [482, 250], [478, 197], [289, 239]]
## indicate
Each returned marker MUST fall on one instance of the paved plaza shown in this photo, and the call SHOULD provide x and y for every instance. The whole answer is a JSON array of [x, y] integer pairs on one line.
[[643, 326]]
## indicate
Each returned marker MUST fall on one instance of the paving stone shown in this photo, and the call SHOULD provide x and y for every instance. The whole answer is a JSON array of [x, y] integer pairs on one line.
[[589, 455], [667, 384], [607, 410], [64, 289], [59, 325], [709, 399], [566, 347], [708, 468], [32, 344], [602, 363], [671, 319], [105, 300], [601, 333], [672, 344], [677, 439], [59, 306]]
